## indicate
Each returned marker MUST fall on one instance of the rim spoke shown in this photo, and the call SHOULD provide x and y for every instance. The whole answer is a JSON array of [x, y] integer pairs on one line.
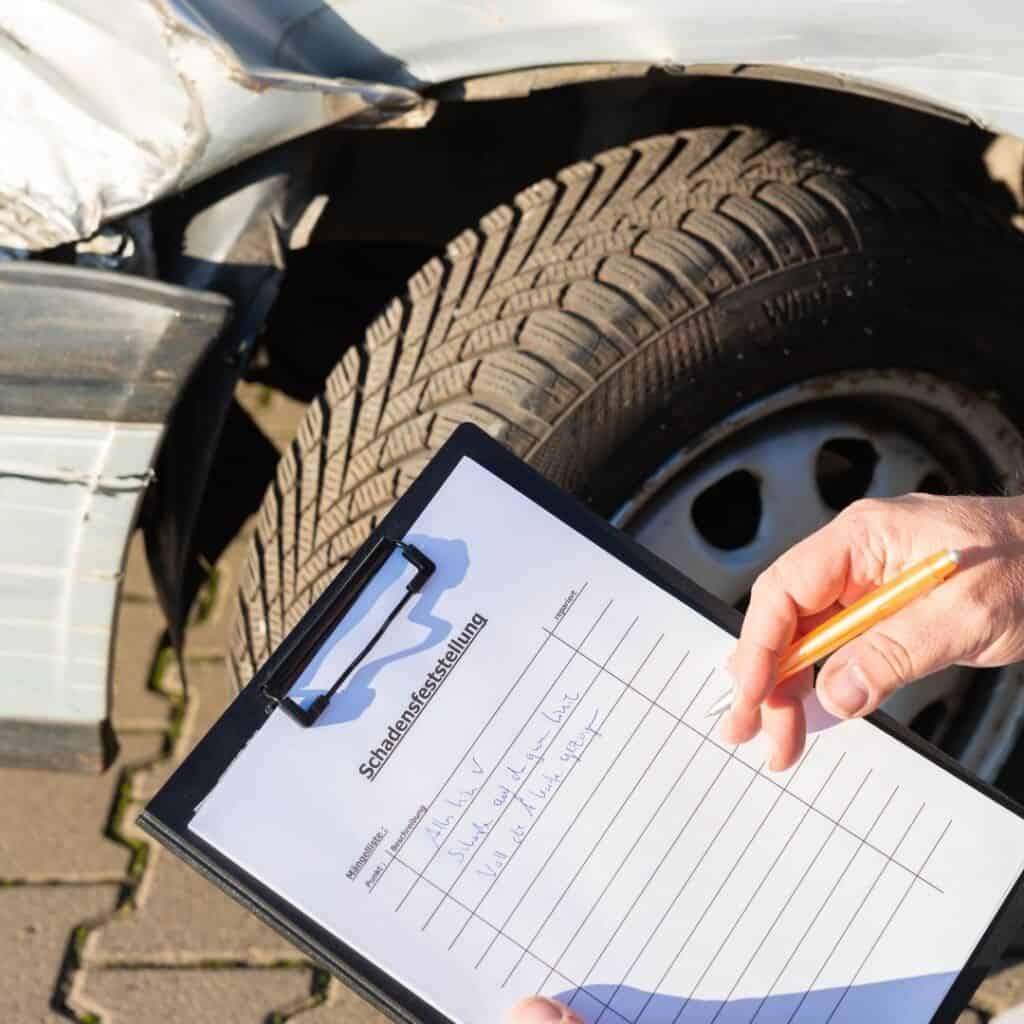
[[902, 466], [770, 486]]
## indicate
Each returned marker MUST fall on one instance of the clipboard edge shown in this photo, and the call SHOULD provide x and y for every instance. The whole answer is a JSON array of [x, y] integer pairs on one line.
[[377, 995], [469, 441]]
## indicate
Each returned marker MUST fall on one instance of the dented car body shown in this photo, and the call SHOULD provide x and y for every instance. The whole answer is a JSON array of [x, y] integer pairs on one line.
[[116, 370]]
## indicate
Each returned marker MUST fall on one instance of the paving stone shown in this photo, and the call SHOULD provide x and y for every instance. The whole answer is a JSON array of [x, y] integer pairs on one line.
[[970, 1017], [277, 415], [210, 637], [342, 1006], [210, 684], [182, 918], [224, 995], [36, 926], [1002, 990], [210, 692], [137, 581], [1004, 160], [140, 635], [54, 822]]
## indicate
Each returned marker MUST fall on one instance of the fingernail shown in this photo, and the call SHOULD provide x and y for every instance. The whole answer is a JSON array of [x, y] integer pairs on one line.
[[847, 690], [540, 1010], [734, 680], [734, 689]]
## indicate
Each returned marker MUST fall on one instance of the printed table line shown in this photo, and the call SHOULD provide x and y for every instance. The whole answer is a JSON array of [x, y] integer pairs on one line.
[[586, 803], [664, 857], [843, 934], [463, 867], [720, 890], [579, 989], [550, 799], [548, 635], [892, 917], [796, 888], [686, 883], [767, 875], [639, 838], [462, 760], [572, 881], [774, 782], [831, 892], [526, 951]]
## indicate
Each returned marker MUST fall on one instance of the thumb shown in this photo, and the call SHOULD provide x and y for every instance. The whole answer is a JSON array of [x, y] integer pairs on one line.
[[918, 640], [540, 1010]]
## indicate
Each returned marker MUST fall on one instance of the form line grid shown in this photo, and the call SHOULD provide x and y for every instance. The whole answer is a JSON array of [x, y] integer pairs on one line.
[[817, 810], [553, 963], [551, 799], [586, 803], [462, 761], [522, 782]]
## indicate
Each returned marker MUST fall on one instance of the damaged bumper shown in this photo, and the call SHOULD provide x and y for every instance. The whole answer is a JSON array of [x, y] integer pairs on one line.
[[90, 365]]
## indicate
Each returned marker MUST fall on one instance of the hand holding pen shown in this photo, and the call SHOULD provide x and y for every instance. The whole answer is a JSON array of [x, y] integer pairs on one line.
[[976, 618], [857, 618]]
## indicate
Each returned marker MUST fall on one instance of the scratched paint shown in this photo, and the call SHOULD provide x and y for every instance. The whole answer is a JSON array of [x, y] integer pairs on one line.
[[211, 78]]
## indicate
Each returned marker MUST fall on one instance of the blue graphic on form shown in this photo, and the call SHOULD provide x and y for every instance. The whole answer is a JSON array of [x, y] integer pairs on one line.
[[900, 1001]]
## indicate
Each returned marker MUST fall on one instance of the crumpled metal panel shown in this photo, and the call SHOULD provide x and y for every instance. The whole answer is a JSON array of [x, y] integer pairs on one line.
[[107, 107], [91, 364], [963, 56]]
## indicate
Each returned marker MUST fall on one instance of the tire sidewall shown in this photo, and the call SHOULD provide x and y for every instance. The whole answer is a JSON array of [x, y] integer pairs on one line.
[[879, 311]]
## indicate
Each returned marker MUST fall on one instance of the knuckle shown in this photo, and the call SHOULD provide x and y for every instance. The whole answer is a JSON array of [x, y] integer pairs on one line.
[[895, 656], [772, 589], [866, 528], [985, 612], [980, 602], [764, 583], [865, 509]]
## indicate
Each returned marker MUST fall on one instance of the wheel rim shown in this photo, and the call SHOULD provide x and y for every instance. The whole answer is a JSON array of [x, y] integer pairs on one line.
[[725, 506]]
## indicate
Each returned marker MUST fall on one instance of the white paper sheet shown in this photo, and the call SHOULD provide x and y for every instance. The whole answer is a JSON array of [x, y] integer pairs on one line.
[[550, 810]]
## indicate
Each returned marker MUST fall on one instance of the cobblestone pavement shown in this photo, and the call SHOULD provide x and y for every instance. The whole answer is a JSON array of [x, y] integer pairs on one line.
[[97, 924]]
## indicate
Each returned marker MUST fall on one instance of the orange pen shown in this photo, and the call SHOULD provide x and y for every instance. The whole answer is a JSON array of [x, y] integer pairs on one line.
[[860, 616]]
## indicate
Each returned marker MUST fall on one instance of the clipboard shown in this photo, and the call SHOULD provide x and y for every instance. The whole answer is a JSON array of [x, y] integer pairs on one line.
[[168, 816]]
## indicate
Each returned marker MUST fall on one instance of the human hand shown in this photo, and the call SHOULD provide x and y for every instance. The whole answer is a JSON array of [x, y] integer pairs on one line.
[[975, 618], [541, 1010]]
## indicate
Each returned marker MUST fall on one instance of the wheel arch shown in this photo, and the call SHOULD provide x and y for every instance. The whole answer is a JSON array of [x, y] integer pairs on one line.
[[491, 135], [523, 81]]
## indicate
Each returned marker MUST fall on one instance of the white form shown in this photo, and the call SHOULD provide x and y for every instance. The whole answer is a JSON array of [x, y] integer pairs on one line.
[[520, 792]]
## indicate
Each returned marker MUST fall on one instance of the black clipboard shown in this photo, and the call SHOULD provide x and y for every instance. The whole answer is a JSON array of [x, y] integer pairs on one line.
[[166, 818]]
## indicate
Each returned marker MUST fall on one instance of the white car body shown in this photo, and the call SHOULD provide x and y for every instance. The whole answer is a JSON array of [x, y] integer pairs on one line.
[[108, 107]]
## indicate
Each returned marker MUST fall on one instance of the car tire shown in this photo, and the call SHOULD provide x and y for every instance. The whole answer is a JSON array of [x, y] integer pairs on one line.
[[632, 302]]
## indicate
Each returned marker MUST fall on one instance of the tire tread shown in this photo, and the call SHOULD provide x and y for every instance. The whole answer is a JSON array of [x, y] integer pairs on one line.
[[534, 308]]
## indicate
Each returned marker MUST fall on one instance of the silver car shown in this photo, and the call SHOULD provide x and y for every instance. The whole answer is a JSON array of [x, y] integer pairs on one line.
[[720, 269]]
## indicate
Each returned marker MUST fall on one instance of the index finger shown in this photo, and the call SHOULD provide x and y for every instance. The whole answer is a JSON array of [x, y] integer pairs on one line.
[[807, 579]]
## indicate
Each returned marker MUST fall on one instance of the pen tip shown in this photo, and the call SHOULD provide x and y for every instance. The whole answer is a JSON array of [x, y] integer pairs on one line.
[[954, 556]]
